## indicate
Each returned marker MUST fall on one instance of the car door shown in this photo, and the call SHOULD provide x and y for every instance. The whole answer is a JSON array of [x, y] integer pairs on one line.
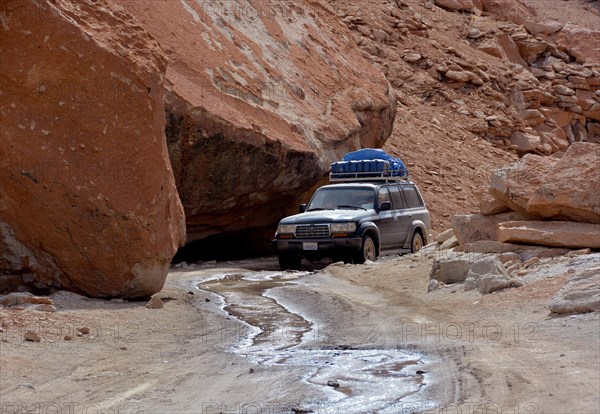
[[387, 221], [402, 215], [413, 206]]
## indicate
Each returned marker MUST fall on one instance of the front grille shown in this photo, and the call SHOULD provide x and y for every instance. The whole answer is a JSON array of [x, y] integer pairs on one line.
[[312, 230]]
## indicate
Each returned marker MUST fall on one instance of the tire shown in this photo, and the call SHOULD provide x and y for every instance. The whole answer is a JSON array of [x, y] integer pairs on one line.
[[290, 261], [416, 243], [368, 251]]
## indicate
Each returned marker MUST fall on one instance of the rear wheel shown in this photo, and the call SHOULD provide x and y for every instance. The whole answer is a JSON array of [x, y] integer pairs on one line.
[[368, 251], [290, 261], [417, 242]]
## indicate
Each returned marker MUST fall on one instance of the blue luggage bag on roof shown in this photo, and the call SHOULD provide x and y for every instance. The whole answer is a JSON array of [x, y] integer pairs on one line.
[[397, 168]]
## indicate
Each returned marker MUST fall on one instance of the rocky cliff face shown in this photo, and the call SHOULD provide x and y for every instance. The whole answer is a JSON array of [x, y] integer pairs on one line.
[[468, 73], [261, 97], [87, 197]]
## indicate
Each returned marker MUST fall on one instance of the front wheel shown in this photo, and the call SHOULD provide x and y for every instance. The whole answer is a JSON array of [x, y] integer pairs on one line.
[[368, 251], [417, 242], [290, 261]]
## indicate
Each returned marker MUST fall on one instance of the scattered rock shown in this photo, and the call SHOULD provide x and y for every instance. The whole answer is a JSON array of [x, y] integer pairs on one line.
[[486, 264], [508, 257], [525, 142], [563, 90], [458, 76], [449, 244], [434, 285], [455, 5], [452, 270], [333, 384], [84, 330], [45, 308], [22, 298], [489, 206], [531, 262], [580, 252], [475, 33], [412, 57], [31, 336], [445, 235], [487, 274], [531, 48], [513, 266], [68, 338], [511, 50], [491, 47], [490, 283], [155, 303], [546, 28]]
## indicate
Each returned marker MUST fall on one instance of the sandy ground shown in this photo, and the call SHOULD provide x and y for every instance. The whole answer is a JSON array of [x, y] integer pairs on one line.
[[462, 352]]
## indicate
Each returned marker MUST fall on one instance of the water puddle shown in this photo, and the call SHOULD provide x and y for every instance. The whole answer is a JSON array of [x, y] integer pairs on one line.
[[352, 380]]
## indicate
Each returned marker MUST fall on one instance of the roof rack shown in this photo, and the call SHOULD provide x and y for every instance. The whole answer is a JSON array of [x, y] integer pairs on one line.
[[362, 177]]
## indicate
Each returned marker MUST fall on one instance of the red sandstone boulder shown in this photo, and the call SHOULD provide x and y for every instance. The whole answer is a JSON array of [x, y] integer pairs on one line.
[[572, 190], [261, 97], [565, 188], [550, 233], [87, 197], [581, 42]]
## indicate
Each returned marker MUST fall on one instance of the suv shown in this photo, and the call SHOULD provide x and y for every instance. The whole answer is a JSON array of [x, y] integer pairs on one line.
[[354, 222]]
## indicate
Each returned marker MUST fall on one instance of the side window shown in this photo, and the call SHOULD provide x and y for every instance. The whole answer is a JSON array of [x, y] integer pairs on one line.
[[412, 197], [397, 200], [383, 195]]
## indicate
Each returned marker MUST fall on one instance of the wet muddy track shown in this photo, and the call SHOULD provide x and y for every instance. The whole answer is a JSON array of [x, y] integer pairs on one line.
[[349, 379]]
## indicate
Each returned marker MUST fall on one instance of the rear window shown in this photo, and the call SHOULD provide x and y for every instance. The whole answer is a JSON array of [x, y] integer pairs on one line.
[[397, 200], [412, 197], [383, 195]]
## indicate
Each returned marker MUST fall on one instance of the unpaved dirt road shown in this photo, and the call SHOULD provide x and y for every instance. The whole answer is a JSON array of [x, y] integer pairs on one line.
[[245, 338]]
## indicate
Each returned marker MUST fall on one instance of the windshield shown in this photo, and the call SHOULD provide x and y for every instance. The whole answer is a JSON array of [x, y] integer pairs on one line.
[[342, 198]]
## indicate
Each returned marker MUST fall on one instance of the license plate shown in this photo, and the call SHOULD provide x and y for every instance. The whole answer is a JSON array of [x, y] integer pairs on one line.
[[310, 246]]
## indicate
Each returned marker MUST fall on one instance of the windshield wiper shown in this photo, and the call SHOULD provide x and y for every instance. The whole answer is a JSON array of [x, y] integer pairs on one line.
[[318, 209], [354, 207]]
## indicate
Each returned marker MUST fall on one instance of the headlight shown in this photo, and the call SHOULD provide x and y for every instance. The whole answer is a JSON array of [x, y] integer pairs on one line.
[[343, 227], [287, 229]]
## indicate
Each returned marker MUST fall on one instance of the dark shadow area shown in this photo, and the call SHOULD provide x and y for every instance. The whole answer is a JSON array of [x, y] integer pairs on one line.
[[243, 244]]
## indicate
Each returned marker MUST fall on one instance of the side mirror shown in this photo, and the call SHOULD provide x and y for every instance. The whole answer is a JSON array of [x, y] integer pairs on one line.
[[302, 208], [385, 206]]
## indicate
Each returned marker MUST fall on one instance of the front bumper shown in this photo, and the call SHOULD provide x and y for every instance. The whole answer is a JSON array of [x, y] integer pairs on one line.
[[326, 247]]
